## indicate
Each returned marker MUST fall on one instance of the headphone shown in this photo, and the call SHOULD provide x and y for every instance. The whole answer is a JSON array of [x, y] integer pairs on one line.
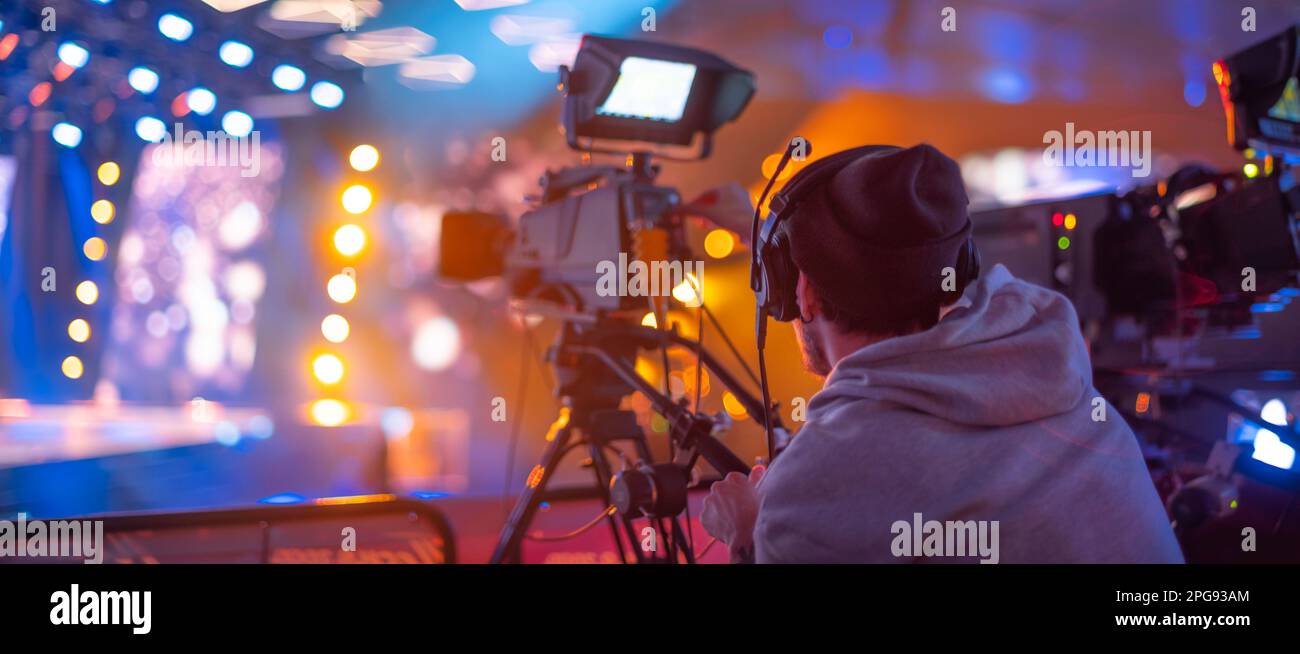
[[773, 275]]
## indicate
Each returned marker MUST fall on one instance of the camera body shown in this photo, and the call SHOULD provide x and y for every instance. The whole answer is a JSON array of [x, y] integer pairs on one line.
[[602, 238], [595, 227], [564, 247]]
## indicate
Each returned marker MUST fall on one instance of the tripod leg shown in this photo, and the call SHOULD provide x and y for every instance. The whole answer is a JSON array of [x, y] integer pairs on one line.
[[512, 533], [684, 543]]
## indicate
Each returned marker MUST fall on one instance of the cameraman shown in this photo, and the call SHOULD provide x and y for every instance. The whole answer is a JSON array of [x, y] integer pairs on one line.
[[966, 408]]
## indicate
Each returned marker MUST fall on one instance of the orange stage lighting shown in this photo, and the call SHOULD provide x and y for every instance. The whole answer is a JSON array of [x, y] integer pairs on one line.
[[40, 93], [63, 71], [329, 413], [181, 105], [355, 499], [7, 45]]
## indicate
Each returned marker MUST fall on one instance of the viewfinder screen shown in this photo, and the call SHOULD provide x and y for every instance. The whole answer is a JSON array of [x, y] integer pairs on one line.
[[650, 89]]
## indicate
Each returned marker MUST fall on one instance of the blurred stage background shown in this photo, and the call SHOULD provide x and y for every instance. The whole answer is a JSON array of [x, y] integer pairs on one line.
[[219, 339]]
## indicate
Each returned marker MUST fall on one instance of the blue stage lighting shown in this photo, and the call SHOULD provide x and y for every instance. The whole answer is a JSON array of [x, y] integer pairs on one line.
[[1268, 447], [201, 101], [73, 55], [261, 427], [66, 134], [236, 54], [1265, 445], [327, 94], [283, 498], [237, 124], [150, 129], [288, 78], [174, 27], [143, 80], [430, 495]]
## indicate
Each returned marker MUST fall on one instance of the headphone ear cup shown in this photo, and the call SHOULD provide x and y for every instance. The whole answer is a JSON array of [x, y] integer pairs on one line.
[[773, 275], [784, 279], [968, 265]]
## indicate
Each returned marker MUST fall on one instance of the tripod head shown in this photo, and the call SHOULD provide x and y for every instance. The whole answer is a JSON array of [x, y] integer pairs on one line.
[[585, 383], [597, 361]]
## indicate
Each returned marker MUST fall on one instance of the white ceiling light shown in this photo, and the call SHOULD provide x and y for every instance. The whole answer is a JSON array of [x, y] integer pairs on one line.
[[438, 71], [524, 30], [548, 56], [381, 47], [480, 5], [301, 18], [227, 6]]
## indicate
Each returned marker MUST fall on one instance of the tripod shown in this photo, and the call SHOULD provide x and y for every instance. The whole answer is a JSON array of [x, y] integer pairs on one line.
[[595, 368]]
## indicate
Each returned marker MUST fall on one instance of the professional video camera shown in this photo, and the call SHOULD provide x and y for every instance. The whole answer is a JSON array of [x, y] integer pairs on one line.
[[1202, 267], [1208, 241], [652, 99], [1185, 290], [1200, 241], [646, 95], [1261, 94], [1229, 237]]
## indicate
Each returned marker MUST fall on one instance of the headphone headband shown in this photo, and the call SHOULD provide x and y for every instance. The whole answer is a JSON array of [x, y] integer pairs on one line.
[[812, 177]]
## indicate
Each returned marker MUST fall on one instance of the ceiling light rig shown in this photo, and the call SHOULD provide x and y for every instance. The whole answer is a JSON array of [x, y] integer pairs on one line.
[[93, 82], [83, 83]]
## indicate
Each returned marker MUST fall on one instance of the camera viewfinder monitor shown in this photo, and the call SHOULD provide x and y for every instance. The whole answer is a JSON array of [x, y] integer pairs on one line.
[[1260, 89], [642, 93]]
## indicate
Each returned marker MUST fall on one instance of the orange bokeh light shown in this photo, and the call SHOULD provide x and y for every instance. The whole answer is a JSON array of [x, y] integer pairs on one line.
[[7, 45], [40, 93], [63, 71]]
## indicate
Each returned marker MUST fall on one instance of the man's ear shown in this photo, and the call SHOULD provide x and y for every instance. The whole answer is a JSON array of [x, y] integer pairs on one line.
[[807, 299]]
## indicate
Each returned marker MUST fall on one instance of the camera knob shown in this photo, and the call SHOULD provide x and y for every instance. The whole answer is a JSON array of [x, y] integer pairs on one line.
[[631, 491]]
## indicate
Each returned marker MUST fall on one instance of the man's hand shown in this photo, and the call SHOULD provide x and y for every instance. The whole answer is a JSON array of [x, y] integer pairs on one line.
[[731, 509]]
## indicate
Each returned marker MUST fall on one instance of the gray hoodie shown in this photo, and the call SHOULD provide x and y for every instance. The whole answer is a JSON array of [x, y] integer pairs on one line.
[[983, 425]]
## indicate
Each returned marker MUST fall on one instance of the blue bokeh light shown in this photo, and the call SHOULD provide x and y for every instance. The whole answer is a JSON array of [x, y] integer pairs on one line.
[[175, 28], [288, 78], [837, 36], [1006, 85]]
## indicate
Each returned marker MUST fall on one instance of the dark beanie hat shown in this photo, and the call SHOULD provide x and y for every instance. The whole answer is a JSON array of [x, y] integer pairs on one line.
[[874, 238]]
